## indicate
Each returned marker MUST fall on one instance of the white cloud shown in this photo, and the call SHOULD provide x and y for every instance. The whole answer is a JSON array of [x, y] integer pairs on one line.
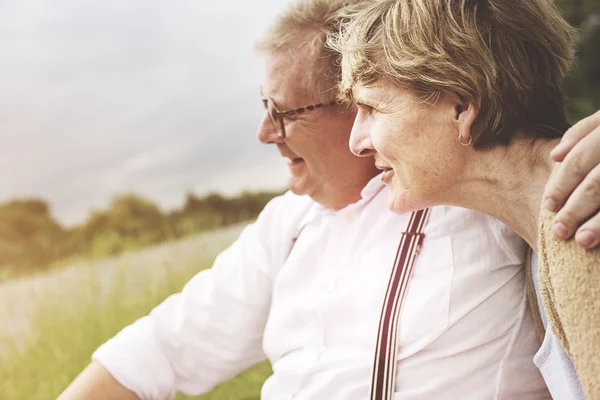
[[105, 97]]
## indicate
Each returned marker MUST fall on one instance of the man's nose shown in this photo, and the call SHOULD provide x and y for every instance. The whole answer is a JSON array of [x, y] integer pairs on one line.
[[267, 134]]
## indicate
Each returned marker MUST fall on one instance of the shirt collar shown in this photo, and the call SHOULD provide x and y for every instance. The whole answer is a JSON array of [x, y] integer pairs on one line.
[[372, 188]]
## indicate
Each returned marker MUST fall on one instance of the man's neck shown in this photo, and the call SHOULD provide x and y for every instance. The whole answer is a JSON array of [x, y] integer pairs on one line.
[[508, 184], [341, 196]]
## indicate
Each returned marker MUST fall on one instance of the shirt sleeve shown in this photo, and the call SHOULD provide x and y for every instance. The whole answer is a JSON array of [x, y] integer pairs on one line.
[[210, 331]]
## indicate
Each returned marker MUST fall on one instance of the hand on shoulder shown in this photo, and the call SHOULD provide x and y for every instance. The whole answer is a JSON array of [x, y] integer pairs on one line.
[[573, 191]]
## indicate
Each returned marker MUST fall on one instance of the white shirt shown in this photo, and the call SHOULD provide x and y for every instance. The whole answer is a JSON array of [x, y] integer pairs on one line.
[[465, 330]]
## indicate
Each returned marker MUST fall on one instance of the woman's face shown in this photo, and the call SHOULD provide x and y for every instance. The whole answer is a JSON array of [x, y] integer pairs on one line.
[[415, 144]]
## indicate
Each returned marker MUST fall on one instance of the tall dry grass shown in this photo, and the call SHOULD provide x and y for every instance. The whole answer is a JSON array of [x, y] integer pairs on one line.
[[45, 343]]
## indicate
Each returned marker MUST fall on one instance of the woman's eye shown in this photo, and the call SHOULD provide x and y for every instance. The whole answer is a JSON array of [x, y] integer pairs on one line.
[[365, 108]]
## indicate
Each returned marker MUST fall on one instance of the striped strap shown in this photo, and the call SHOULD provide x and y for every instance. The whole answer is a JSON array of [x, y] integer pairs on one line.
[[384, 366]]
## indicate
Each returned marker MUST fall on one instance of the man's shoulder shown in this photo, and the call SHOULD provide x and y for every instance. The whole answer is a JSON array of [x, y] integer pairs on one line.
[[485, 235], [278, 224], [284, 214], [288, 207]]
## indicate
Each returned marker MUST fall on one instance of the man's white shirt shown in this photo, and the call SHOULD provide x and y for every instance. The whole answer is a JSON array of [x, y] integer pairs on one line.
[[304, 287]]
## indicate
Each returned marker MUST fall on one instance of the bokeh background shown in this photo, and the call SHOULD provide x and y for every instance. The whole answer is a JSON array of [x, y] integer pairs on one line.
[[128, 160]]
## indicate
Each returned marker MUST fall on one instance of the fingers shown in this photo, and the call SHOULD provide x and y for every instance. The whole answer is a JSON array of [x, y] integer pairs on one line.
[[577, 164], [588, 236], [574, 135], [574, 187], [582, 206]]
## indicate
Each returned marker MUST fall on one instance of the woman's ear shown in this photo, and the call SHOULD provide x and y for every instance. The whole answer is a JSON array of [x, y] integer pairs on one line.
[[463, 114]]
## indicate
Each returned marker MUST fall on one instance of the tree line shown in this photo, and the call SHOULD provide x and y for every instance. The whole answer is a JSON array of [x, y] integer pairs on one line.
[[31, 238]]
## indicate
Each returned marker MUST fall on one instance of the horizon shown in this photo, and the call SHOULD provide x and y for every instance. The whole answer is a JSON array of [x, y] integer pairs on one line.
[[165, 211]]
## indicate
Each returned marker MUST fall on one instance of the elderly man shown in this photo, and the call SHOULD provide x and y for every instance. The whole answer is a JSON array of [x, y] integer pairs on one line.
[[304, 285]]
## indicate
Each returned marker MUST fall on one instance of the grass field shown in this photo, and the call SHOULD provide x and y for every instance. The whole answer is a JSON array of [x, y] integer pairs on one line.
[[52, 323]]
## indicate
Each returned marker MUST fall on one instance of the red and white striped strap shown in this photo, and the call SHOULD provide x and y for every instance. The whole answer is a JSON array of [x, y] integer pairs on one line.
[[384, 366]]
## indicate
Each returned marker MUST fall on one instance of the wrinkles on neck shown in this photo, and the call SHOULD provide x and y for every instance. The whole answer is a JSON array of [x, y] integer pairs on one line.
[[508, 184]]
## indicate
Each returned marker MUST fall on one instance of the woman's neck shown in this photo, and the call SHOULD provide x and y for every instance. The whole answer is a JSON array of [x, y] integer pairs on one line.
[[508, 183]]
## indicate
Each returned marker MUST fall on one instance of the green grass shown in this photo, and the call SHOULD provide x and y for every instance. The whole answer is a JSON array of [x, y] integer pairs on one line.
[[43, 362]]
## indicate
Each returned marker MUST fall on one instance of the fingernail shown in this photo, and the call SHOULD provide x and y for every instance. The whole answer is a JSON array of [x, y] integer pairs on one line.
[[560, 230], [586, 238], [550, 204]]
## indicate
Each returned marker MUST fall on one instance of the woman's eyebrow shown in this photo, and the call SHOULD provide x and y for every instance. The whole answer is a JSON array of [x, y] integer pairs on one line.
[[358, 99], [375, 96]]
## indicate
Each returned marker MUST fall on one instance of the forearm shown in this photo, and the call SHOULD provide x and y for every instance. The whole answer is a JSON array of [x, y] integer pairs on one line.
[[96, 383], [570, 282]]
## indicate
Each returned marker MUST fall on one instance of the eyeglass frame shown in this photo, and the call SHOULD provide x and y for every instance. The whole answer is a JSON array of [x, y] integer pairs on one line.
[[280, 115]]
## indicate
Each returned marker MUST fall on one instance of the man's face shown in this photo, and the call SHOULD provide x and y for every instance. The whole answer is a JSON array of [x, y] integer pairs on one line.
[[316, 143]]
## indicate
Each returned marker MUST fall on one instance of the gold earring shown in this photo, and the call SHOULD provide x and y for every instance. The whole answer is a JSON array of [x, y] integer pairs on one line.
[[465, 144]]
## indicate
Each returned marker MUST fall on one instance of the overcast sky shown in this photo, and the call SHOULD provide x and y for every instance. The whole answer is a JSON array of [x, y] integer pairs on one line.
[[102, 97]]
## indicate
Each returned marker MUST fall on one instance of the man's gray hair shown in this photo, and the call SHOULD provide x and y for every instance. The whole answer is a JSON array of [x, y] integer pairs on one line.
[[301, 31]]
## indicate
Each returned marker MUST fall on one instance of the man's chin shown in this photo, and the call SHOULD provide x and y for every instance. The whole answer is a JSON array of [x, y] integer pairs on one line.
[[299, 186]]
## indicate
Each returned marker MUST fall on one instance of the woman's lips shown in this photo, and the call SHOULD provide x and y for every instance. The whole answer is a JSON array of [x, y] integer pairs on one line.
[[388, 174]]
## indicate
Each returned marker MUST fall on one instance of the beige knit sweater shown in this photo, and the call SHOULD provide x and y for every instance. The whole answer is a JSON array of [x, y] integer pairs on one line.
[[569, 279]]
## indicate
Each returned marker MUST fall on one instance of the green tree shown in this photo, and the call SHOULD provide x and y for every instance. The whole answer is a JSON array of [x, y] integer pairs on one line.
[[29, 235], [130, 222]]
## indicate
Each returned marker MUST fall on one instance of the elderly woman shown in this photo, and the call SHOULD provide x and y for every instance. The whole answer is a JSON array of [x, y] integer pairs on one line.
[[462, 103]]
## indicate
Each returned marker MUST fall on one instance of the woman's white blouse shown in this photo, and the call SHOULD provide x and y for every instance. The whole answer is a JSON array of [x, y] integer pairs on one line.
[[312, 306]]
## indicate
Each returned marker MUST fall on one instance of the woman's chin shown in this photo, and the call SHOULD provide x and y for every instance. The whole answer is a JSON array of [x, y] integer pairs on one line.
[[400, 201], [397, 201]]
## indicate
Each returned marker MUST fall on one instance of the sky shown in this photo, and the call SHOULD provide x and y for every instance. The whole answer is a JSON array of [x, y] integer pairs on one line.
[[160, 98]]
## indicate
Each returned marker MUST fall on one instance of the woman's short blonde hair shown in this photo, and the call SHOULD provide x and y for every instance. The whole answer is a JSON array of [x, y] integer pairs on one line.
[[301, 31], [508, 57]]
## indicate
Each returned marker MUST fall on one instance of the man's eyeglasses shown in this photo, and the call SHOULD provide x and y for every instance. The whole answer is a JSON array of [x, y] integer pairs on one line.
[[277, 117]]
